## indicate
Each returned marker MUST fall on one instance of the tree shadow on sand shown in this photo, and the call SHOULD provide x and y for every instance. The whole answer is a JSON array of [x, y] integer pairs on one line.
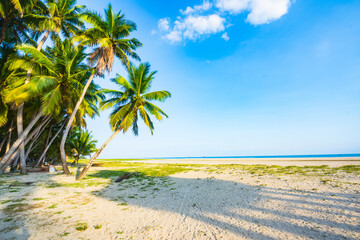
[[239, 209], [18, 202]]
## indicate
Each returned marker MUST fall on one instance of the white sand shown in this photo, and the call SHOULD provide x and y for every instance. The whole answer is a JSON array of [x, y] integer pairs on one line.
[[192, 205]]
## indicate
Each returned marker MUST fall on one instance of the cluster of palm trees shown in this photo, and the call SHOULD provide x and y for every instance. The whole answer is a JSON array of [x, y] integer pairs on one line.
[[50, 52]]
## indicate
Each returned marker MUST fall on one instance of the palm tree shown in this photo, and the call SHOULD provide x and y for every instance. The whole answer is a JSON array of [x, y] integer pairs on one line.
[[80, 144], [61, 15], [58, 79], [131, 101], [110, 38]]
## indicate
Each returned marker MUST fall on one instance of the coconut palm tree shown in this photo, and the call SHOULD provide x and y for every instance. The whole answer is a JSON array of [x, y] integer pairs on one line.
[[110, 39], [133, 99], [80, 144], [60, 15], [58, 78]]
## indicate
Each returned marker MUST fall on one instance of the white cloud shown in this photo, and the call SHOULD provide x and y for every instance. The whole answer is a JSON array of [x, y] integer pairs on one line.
[[174, 36], [164, 24], [206, 5], [261, 11], [193, 27], [232, 6], [204, 19], [225, 36], [266, 11]]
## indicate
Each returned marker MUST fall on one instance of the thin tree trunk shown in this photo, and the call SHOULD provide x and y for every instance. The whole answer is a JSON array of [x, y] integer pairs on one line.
[[6, 159], [46, 143], [14, 164], [68, 126], [9, 137], [19, 116], [39, 129], [3, 142], [89, 164], [41, 43], [15, 156], [48, 146], [3, 30], [19, 121]]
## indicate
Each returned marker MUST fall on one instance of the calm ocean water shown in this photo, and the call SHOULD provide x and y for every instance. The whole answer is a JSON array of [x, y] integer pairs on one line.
[[273, 156]]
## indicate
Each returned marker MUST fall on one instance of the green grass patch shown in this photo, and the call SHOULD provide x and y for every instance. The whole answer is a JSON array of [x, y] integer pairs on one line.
[[81, 226], [64, 234], [38, 199], [53, 206]]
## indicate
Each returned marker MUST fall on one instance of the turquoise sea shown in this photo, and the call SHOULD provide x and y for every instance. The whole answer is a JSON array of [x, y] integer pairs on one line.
[[272, 156]]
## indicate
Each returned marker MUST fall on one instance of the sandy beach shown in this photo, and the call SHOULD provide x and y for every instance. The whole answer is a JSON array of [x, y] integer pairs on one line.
[[202, 203]]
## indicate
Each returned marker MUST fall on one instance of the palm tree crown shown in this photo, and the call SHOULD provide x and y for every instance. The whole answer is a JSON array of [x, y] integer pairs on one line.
[[81, 144], [59, 15], [110, 38], [133, 99]]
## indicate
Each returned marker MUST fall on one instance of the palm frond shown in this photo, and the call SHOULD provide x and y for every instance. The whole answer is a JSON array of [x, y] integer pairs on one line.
[[157, 95]]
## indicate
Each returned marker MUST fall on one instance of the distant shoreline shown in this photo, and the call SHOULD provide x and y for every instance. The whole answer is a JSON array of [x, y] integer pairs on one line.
[[283, 161], [314, 157]]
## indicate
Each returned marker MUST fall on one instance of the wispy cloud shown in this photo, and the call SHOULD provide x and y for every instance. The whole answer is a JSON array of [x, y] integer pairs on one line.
[[211, 17], [206, 5], [225, 36], [193, 27]]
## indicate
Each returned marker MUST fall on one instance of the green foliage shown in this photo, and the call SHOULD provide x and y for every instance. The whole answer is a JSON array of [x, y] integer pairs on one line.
[[133, 99], [80, 144], [57, 16], [109, 36]]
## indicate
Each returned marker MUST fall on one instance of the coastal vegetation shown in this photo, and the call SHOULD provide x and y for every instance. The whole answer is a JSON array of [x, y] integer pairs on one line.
[[50, 53]]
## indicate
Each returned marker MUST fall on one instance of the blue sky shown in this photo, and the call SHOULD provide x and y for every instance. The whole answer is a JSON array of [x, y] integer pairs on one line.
[[248, 77]]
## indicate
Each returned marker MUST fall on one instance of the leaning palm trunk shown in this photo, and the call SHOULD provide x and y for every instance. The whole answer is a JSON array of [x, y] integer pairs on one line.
[[15, 156], [46, 143], [68, 126], [5, 161], [2, 143], [89, 164], [42, 157], [9, 137], [38, 131], [19, 117]]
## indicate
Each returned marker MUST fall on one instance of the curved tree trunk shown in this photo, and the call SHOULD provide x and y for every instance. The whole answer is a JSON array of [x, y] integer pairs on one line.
[[68, 126], [9, 137], [89, 164], [48, 146], [5, 161], [19, 117], [3, 142], [46, 143], [38, 131], [14, 158]]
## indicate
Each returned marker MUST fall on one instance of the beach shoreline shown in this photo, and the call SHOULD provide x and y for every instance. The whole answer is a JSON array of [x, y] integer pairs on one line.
[[316, 161]]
